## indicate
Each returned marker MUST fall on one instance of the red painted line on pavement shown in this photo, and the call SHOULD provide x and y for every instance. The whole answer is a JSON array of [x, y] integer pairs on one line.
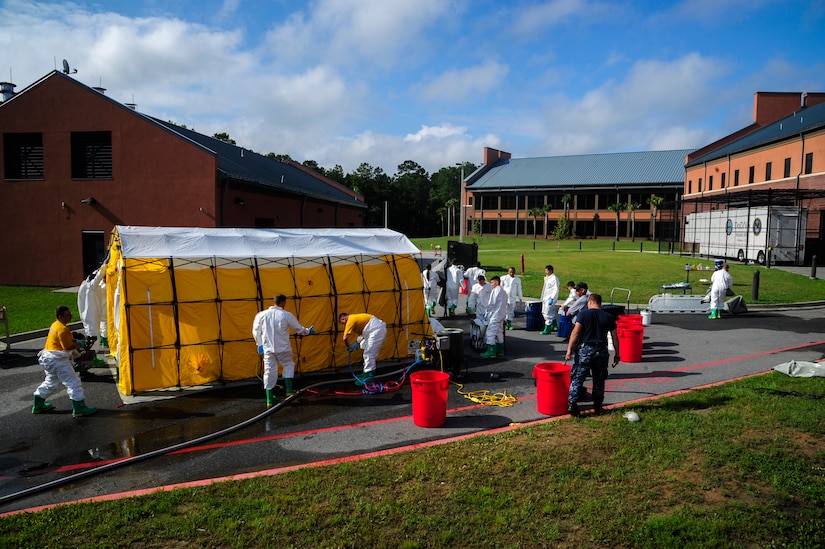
[[390, 451]]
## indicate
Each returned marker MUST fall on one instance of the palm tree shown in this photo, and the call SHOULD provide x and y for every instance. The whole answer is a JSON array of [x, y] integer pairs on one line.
[[655, 203], [534, 213], [618, 208], [545, 209], [631, 208], [450, 204], [566, 200]]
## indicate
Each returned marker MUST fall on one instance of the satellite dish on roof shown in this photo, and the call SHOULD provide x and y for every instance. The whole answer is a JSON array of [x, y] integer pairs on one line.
[[66, 68]]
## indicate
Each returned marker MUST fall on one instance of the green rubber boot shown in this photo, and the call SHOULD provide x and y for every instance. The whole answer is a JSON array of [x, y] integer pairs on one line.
[[554, 326], [270, 398], [40, 405], [363, 378], [490, 352], [288, 384], [712, 313], [500, 350], [104, 341], [79, 408], [545, 330], [509, 325]]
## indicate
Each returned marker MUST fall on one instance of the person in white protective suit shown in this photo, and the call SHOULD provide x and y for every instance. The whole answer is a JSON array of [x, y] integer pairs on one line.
[[720, 281], [430, 279], [496, 312], [56, 361], [270, 329], [512, 285], [477, 301], [455, 277], [549, 295], [471, 276], [91, 304]]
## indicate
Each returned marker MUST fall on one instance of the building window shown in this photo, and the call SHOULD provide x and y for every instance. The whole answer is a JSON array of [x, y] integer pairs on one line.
[[750, 174], [535, 201], [587, 201], [787, 171], [768, 167], [723, 179], [508, 202], [690, 186], [736, 178], [23, 154], [489, 202], [809, 163], [710, 183], [700, 184], [91, 155]]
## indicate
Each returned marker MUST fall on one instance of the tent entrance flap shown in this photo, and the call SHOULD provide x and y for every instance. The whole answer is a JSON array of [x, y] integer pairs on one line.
[[181, 301]]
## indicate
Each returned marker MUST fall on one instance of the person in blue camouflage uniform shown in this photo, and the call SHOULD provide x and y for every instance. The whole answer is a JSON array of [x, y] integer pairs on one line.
[[588, 349]]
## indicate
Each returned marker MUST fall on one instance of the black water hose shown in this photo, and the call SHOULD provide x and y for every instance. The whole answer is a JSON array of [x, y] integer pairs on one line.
[[180, 446]]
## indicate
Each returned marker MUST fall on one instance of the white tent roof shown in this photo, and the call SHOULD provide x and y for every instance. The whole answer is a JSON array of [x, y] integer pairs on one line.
[[193, 242]]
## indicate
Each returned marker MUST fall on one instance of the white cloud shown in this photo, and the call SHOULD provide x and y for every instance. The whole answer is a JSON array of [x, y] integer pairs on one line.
[[530, 19], [461, 84], [372, 34], [434, 132], [656, 98]]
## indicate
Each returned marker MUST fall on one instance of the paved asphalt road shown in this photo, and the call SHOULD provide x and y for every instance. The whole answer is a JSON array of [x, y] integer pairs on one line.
[[38, 453]]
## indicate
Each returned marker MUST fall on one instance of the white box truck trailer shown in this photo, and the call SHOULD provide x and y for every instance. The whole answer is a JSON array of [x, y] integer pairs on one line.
[[749, 234]]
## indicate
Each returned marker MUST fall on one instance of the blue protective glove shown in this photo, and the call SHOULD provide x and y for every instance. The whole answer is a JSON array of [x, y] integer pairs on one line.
[[353, 347], [311, 331], [549, 301], [260, 349], [81, 342]]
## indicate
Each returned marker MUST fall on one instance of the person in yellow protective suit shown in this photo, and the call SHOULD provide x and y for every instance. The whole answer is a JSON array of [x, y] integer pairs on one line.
[[56, 361], [372, 330]]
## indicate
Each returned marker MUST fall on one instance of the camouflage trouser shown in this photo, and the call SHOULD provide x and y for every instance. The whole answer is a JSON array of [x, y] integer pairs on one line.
[[594, 359]]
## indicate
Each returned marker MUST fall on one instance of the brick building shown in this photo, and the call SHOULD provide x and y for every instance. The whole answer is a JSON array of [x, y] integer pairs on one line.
[[75, 163]]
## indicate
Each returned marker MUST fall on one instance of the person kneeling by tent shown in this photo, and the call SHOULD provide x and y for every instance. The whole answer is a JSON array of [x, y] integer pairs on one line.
[[56, 360], [271, 332], [372, 330]]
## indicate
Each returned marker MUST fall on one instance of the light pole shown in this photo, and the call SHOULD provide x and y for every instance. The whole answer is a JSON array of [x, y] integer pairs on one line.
[[462, 221]]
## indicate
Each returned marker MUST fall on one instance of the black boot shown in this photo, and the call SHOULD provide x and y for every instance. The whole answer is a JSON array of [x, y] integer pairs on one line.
[[573, 409]]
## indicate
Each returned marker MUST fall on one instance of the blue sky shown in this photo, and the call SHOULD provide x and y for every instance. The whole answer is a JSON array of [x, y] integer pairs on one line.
[[433, 81]]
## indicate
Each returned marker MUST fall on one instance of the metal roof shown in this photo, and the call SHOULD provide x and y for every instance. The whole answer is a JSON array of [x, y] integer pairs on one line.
[[247, 166], [587, 170], [802, 121]]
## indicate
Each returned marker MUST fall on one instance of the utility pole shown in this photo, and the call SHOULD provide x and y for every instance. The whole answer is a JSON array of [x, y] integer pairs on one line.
[[461, 214]]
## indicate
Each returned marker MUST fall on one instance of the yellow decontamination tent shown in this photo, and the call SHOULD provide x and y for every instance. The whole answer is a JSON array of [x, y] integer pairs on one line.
[[181, 301]]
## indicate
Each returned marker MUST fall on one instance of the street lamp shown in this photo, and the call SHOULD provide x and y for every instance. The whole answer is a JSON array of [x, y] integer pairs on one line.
[[461, 203]]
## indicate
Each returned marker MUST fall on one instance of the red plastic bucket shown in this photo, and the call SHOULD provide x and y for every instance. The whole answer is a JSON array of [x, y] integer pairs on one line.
[[429, 397], [630, 319], [630, 343], [552, 387]]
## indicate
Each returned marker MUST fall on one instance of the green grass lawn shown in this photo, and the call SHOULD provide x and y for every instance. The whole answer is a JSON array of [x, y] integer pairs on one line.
[[736, 465], [634, 266], [603, 264]]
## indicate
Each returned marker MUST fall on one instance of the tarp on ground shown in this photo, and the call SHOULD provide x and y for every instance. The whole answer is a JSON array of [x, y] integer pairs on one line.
[[181, 301], [799, 368]]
